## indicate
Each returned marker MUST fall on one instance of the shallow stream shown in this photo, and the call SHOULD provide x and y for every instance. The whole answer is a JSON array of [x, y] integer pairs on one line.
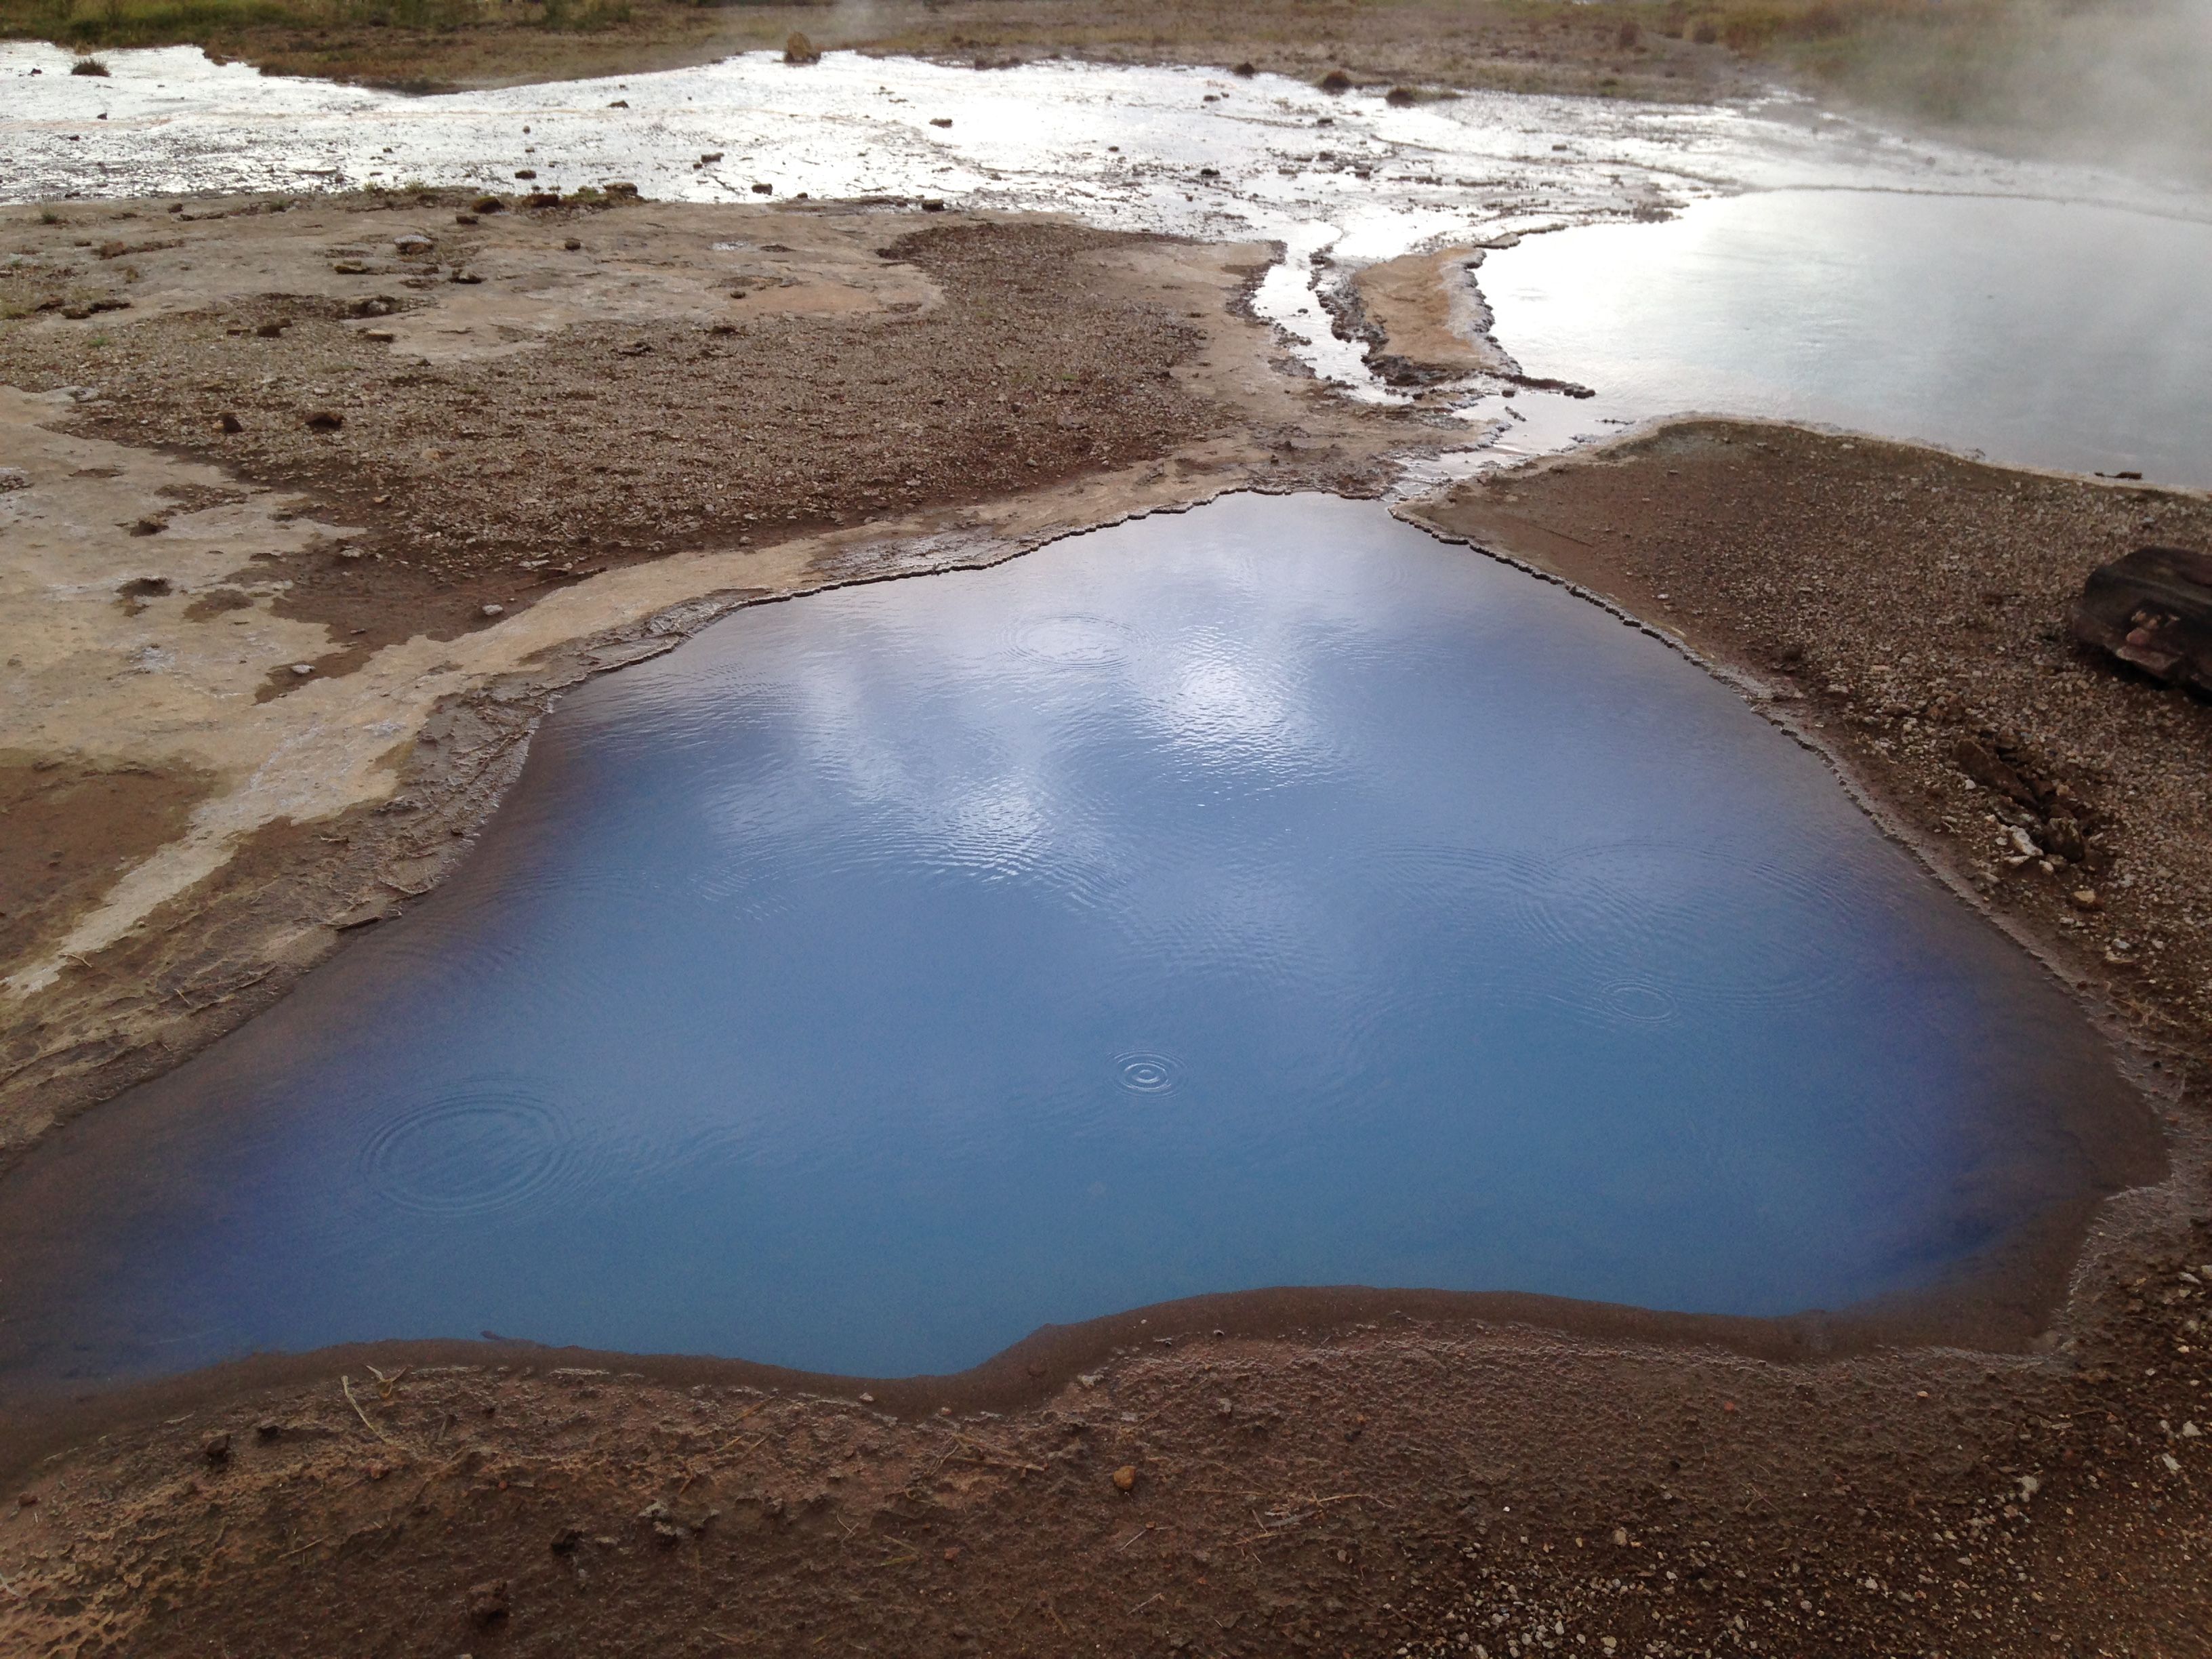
[[1266, 895]]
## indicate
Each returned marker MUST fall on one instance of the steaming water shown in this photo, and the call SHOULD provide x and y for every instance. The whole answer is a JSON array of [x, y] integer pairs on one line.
[[1268, 896], [2060, 334]]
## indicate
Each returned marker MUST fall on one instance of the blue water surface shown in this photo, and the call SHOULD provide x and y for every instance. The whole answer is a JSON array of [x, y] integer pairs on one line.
[[1266, 895]]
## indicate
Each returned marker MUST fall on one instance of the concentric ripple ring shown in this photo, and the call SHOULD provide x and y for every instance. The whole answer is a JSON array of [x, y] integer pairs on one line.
[[1147, 1074], [478, 1149]]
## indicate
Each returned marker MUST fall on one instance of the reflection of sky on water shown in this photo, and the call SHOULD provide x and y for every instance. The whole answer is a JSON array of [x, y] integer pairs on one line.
[[2045, 334], [1265, 896]]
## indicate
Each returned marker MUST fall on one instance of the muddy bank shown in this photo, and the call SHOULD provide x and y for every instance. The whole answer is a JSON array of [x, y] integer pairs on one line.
[[1364, 1471], [1393, 1485]]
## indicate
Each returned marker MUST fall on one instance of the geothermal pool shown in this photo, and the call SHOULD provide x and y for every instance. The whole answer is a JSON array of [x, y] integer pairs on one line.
[[2066, 334], [1266, 895]]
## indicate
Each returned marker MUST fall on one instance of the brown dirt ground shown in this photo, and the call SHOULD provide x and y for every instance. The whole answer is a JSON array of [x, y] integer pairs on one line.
[[67, 829], [1362, 1474], [486, 479], [1499, 44]]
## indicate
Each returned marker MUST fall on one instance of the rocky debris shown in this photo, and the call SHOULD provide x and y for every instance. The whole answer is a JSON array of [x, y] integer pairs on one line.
[[2151, 609], [13, 477]]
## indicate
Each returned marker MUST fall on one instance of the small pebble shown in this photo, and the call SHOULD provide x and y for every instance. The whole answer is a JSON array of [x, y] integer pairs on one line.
[[493, 610]]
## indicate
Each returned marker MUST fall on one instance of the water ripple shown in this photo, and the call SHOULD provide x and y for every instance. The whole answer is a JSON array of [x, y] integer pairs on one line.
[[479, 1149], [1142, 1074]]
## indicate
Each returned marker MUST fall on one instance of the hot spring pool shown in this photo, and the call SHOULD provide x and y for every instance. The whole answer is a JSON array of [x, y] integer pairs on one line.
[[1267, 895]]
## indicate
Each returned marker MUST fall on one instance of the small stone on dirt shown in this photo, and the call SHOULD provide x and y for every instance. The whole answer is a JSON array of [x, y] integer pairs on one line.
[[1124, 1478], [227, 422], [216, 1449], [492, 610], [488, 1601], [324, 419]]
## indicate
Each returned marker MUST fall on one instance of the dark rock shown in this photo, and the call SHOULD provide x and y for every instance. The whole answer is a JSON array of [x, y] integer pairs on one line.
[[144, 587], [489, 1602], [764, 190], [216, 1449], [525, 173], [272, 331], [1246, 71], [1986, 769], [1403, 97], [1336, 80], [2151, 609], [489, 204], [2062, 838], [324, 419], [149, 527], [565, 1541]]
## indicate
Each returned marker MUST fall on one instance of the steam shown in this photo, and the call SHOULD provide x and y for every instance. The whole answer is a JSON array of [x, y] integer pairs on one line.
[[2123, 81], [2128, 80]]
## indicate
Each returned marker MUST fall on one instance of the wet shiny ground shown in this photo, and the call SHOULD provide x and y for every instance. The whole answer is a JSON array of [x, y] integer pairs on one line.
[[1339, 181], [1267, 895]]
